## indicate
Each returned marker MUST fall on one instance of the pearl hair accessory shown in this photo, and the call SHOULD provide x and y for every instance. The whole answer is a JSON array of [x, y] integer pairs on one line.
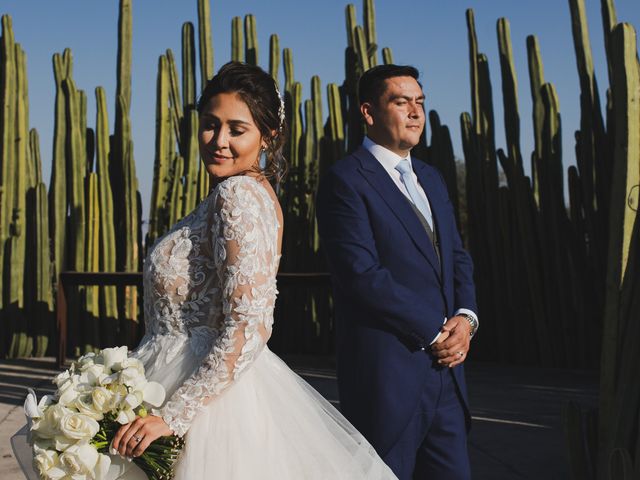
[[281, 113]]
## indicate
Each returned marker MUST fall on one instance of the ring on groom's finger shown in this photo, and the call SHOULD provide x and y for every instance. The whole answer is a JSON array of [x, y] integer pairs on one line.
[[461, 354]]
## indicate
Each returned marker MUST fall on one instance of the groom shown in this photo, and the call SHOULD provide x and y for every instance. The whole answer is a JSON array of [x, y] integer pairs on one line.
[[403, 287]]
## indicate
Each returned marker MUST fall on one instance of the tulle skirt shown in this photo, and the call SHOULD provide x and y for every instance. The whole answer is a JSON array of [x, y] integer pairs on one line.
[[272, 425]]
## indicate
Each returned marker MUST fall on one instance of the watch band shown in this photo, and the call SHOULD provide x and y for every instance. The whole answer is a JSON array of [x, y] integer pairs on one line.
[[472, 321]]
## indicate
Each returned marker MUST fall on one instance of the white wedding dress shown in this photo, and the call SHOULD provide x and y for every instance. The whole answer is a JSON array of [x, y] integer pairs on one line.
[[209, 295]]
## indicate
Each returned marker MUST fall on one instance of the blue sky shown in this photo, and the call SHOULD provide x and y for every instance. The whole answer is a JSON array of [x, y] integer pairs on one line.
[[430, 34]]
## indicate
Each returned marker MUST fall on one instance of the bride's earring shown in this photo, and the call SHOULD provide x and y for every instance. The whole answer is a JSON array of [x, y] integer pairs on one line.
[[262, 157]]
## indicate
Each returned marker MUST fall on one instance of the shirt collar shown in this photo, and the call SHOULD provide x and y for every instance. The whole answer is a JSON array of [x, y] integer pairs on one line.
[[386, 157]]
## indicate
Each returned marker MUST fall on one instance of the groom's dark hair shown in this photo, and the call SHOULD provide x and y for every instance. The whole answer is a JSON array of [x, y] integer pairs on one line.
[[371, 85]]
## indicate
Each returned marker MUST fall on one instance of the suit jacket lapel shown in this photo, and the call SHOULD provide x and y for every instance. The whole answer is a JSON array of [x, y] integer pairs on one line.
[[379, 179]]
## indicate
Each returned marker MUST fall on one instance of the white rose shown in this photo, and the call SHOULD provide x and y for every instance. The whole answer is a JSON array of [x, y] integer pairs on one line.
[[49, 424], [78, 426], [132, 362], [44, 460], [68, 391], [133, 375], [61, 443], [113, 356], [79, 460], [93, 375], [102, 399], [84, 405]]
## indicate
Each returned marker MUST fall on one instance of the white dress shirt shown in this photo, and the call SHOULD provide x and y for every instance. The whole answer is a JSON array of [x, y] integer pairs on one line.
[[389, 160]]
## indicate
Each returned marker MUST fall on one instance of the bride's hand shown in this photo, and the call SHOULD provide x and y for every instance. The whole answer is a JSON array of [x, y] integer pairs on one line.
[[132, 439]]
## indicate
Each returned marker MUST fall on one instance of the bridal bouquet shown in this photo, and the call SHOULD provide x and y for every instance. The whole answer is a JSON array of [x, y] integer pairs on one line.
[[71, 431]]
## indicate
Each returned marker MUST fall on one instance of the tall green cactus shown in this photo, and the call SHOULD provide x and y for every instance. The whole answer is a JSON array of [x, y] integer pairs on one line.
[[38, 269], [205, 42], [62, 67], [274, 57], [250, 40], [370, 32], [7, 101], [90, 326], [237, 48], [124, 182], [536, 80], [158, 216], [188, 67], [620, 393], [107, 239], [21, 342], [509, 93]]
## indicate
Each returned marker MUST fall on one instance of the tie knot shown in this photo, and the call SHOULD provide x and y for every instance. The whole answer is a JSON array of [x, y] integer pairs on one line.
[[404, 166]]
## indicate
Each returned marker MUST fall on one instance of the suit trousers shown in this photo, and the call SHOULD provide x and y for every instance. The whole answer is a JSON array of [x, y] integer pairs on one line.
[[433, 446]]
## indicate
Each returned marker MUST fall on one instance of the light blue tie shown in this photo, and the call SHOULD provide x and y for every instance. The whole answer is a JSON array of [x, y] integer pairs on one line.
[[404, 167]]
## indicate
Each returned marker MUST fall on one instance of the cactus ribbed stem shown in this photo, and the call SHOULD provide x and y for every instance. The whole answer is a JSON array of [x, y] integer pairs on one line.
[[205, 42], [237, 48]]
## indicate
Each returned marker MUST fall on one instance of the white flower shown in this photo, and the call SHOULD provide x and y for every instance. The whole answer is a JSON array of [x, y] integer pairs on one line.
[[153, 393], [125, 416], [61, 378], [93, 374], [131, 377], [119, 394], [68, 391], [48, 425], [86, 361], [84, 404], [102, 399], [62, 442], [78, 426], [79, 460], [113, 356], [44, 461], [133, 399]]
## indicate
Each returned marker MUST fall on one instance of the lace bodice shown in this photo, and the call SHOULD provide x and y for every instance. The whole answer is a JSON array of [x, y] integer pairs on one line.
[[211, 282]]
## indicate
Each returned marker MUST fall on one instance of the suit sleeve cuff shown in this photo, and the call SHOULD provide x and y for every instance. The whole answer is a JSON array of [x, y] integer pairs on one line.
[[435, 339]]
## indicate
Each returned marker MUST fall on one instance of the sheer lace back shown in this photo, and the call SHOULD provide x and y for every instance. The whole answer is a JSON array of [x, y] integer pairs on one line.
[[211, 282]]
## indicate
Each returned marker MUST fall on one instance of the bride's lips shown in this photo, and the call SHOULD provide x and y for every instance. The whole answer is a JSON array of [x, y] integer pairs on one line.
[[220, 158]]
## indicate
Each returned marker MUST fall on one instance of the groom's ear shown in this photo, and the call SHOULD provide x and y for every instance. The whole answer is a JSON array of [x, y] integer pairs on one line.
[[366, 109]]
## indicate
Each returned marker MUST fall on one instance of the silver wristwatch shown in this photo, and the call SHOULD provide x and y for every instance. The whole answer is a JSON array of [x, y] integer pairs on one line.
[[472, 321]]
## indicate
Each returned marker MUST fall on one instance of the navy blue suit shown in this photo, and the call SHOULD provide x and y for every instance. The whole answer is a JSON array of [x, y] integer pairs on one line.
[[391, 298]]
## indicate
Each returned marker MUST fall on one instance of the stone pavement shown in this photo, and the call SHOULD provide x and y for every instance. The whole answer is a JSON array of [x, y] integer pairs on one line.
[[516, 434]]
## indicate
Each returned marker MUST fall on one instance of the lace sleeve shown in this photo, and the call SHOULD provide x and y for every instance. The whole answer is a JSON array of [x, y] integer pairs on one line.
[[245, 250]]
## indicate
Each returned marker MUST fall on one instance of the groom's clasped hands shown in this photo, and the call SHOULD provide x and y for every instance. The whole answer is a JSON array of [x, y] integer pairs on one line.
[[452, 345]]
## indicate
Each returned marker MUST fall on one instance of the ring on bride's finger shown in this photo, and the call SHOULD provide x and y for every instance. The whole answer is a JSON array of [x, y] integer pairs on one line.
[[137, 438], [461, 354]]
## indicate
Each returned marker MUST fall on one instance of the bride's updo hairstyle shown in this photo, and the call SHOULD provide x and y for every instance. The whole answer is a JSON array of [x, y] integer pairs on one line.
[[259, 91]]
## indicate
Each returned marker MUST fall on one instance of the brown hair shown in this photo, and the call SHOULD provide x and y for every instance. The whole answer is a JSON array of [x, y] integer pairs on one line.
[[258, 90]]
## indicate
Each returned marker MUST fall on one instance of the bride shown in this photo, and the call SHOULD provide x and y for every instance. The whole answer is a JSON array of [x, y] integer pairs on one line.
[[209, 294]]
